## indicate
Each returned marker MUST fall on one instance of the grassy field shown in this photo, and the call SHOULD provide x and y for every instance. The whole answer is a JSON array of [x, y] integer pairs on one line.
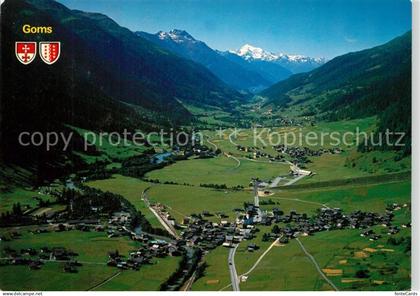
[[23, 196], [266, 137], [287, 268], [219, 170], [283, 269], [185, 200], [131, 189], [148, 278], [93, 248], [216, 274], [372, 197], [109, 147], [347, 164], [350, 253]]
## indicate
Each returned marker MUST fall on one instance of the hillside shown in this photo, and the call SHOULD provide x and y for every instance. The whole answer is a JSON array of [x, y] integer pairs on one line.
[[185, 45], [104, 76], [374, 81]]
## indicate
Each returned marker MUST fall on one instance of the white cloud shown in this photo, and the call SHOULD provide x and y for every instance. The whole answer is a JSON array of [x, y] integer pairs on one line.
[[350, 40]]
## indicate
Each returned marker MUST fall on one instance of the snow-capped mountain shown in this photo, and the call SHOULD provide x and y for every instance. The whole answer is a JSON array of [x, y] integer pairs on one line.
[[177, 36], [249, 52], [294, 63], [183, 44]]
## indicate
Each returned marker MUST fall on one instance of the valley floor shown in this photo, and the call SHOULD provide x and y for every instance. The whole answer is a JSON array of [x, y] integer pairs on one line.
[[349, 261]]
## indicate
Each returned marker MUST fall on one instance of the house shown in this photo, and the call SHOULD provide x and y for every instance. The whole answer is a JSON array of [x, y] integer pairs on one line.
[[252, 247], [295, 170]]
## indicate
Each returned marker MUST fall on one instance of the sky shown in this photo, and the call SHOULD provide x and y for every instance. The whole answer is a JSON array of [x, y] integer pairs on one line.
[[316, 28]]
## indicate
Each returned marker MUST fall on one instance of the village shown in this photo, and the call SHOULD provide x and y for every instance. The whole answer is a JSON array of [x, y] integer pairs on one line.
[[298, 155], [87, 209], [91, 210], [198, 231]]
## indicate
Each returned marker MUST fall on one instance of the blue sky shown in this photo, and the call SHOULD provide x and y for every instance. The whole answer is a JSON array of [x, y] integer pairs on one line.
[[318, 28]]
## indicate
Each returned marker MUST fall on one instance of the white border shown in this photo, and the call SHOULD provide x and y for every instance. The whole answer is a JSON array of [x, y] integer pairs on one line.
[[59, 51], [415, 177]]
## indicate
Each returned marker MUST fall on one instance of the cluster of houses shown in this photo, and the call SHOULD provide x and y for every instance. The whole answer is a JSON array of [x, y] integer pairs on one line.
[[143, 255], [300, 151], [164, 214], [329, 219], [119, 224], [201, 151], [297, 154], [256, 153], [207, 235], [34, 259]]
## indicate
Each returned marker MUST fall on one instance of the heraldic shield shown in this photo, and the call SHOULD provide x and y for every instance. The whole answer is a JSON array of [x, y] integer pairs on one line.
[[49, 51], [25, 51]]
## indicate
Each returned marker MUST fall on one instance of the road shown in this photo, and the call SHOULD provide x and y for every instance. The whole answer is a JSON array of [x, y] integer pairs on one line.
[[304, 201], [105, 281], [188, 284], [211, 143], [275, 182], [232, 269], [169, 227], [264, 161], [227, 155], [316, 265], [234, 158], [294, 180], [262, 256]]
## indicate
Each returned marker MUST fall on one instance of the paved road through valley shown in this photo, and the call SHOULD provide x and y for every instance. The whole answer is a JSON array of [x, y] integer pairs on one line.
[[232, 269]]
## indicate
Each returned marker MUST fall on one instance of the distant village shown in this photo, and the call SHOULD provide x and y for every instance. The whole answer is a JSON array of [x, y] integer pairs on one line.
[[297, 155]]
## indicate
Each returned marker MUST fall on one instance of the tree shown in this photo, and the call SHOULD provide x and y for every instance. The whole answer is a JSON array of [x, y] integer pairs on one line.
[[363, 273], [17, 210]]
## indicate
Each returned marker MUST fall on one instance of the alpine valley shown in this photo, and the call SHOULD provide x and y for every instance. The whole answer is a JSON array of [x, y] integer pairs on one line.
[[206, 201]]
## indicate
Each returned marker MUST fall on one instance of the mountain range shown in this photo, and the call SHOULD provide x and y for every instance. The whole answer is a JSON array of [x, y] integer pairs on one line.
[[96, 51], [247, 69], [183, 44], [293, 63], [106, 79], [109, 78]]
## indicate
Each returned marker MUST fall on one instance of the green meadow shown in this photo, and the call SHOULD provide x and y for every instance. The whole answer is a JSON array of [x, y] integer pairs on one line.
[[219, 170], [110, 148], [93, 248], [25, 197], [129, 188]]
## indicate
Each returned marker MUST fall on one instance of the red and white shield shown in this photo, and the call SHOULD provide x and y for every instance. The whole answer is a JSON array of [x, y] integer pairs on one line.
[[49, 51], [25, 51]]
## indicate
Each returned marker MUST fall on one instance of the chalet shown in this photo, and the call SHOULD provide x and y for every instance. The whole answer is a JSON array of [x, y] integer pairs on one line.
[[59, 253], [252, 247], [227, 244], [393, 230]]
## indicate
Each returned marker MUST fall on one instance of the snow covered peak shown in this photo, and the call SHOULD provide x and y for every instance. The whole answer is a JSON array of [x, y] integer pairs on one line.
[[250, 52], [178, 36]]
